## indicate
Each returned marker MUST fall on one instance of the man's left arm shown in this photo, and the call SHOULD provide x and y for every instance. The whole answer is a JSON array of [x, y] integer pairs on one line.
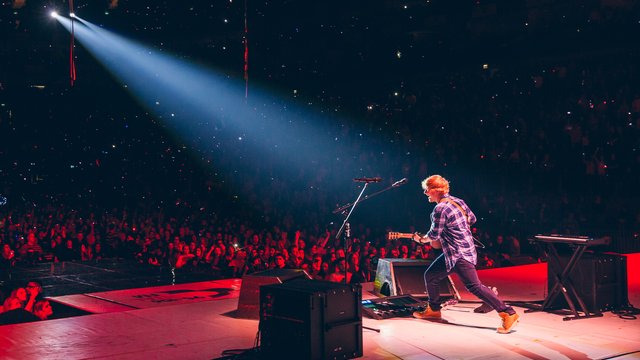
[[471, 217]]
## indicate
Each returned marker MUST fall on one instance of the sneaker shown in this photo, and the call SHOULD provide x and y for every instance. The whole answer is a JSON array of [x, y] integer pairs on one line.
[[427, 314], [483, 309], [508, 322]]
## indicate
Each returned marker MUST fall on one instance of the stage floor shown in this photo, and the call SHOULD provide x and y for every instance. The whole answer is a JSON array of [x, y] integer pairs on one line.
[[195, 321]]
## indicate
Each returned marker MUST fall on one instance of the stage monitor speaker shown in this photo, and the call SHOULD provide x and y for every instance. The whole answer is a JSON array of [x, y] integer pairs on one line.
[[599, 279], [310, 320], [406, 277], [249, 300]]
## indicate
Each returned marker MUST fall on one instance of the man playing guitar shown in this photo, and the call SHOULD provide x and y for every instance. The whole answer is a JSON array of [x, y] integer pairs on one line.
[[451, 220]]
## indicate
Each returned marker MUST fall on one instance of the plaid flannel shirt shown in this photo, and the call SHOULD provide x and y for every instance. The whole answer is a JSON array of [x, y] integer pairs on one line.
[[450, 226]]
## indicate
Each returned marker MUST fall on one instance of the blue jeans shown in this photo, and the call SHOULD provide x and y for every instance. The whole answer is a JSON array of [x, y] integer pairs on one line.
[[437, 271]]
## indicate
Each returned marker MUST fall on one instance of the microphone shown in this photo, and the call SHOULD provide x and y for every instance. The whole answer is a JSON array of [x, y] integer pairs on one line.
[[368, 180], [399, 182]]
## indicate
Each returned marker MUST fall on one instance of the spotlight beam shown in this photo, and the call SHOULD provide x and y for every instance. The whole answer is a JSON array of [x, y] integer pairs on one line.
[[200, 103]]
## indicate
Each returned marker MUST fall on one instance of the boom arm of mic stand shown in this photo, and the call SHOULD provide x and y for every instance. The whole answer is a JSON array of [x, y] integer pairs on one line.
[[342, 208]]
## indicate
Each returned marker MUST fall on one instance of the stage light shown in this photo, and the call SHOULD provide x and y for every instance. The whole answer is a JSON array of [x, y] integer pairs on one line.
[[54, 14], [72, 15]]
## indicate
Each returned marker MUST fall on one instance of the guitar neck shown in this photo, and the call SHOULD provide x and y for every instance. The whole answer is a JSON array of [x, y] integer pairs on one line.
[[398, 235]]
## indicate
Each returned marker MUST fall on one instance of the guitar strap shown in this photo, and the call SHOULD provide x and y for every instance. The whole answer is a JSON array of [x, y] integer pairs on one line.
[[458, 206]]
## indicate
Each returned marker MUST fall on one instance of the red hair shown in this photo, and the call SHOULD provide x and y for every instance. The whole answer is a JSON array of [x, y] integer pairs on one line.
[[436, 182]]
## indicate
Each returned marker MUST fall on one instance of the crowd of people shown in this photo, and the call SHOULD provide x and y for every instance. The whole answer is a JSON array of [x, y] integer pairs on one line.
[[186, 247], [201, 245], [25, 304]]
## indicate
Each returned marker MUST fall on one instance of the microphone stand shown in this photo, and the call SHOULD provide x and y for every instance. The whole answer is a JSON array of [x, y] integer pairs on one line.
[[342, 209], [345, 223]]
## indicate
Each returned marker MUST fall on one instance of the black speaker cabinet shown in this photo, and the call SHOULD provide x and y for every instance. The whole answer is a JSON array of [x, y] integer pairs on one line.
[[406, 277], [599, 279], [310, 320], [249, 300]]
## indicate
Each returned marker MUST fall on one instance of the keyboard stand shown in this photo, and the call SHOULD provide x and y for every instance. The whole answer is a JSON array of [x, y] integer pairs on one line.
[[563, 283]]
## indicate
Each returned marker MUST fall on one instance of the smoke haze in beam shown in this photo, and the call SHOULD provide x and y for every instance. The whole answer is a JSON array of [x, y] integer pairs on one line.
[[208, 109]]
